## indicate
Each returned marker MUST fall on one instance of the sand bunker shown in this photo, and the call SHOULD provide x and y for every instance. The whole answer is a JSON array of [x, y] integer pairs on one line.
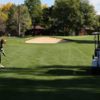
[[45, 40]]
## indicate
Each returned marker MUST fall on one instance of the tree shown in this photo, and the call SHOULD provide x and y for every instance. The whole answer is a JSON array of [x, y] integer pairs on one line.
[[24, 18], [97, 24], [47, 16], [6, 7], [34, 7], [3, 19], [73, 14], [67, 13], [88, 13], [12, 27], [18, 15]]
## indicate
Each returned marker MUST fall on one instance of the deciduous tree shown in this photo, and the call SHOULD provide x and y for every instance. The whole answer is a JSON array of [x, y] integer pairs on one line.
[[34, 7], [74, 14]]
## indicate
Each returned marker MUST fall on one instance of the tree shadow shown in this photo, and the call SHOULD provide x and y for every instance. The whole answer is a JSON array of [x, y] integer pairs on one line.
[[79, 41], [71, 89], [70, 86], [59, 70], [56, 70]]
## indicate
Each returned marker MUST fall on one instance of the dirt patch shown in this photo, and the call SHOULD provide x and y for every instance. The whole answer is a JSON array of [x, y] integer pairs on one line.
[[45, 40]]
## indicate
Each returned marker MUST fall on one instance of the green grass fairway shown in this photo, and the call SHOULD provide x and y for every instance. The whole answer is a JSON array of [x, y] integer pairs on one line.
[[74, 53], [49, 71]]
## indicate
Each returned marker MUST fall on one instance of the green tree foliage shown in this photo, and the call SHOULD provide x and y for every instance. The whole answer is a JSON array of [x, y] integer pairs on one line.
[[88, 13], [73, 14], [16, 15], [97, 24], [47, 16], [67, 12], [12, 27], [66, 16], [24, 19], [35, 11]]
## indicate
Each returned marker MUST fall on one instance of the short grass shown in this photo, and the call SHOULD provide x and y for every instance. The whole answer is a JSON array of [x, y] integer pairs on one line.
[[49, 71], [75, 53]]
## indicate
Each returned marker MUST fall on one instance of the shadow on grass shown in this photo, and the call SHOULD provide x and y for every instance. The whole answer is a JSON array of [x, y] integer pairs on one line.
[[79, 41], [72, 86], [56, 70]]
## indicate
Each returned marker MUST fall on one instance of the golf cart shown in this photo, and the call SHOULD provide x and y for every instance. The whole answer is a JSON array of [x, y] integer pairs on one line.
[[96, 56]]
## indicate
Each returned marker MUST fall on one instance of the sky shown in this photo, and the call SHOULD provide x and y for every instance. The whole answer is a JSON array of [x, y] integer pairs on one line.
[[49, 2], [95, 3]]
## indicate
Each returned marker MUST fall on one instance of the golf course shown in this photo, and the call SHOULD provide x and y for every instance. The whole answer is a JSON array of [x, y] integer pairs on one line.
[[49, 71], [49, 49], [76, 51]]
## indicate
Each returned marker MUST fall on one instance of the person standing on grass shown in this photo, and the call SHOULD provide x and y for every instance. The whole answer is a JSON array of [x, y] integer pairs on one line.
[[2, 42]]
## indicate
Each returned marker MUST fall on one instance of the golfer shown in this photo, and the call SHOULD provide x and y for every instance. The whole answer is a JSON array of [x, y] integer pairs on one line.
[[2, 42]]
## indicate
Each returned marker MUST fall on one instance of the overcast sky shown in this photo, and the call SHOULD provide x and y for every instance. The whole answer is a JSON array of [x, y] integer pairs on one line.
[[96, 3]]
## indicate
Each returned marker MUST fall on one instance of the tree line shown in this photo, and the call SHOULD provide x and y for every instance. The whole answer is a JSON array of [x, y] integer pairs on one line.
[[65, 17]]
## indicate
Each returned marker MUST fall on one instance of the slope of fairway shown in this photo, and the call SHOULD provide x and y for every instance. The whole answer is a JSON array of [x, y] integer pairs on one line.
[[73, 53]]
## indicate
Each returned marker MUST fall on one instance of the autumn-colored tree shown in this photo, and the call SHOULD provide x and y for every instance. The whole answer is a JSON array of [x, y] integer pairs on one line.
[[3, 19], [6, 7]]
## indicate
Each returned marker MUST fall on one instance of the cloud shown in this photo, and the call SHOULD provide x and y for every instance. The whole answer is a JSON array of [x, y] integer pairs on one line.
[[96, 4]]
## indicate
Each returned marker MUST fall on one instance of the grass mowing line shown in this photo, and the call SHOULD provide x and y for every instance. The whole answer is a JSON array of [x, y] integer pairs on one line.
[[69, 54], [77, 58], [81, 52], [41, 55]]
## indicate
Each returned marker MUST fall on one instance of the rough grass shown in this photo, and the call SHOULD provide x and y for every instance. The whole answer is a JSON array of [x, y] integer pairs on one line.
[[49, 71]]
